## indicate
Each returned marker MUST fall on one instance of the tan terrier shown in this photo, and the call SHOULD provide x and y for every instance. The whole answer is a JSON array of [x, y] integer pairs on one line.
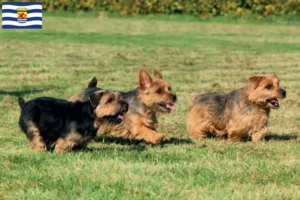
[[140, 122], [243, 112]]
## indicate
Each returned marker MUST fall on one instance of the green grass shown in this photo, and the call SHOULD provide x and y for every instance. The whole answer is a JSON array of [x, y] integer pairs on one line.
[[194, 57], [190, 41]]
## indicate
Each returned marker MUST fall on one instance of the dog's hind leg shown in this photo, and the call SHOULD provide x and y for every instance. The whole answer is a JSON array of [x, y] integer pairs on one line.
[[63, 146], [36, 141], [199, 135], [197, 130], [67, 143], [234, 136]]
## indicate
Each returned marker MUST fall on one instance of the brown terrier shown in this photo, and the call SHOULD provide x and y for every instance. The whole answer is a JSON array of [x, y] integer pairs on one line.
[[243, 112], [140, 122]]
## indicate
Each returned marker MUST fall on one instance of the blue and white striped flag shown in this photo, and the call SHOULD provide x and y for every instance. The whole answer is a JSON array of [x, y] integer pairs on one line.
[[22, 15]]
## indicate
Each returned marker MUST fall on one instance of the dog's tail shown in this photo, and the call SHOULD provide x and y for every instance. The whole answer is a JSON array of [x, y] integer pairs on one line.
[[92, 82], [21, 102]]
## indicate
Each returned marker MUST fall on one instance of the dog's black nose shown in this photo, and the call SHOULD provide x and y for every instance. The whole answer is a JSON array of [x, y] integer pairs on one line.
[[283, 92], [125, 107], [174, 97]]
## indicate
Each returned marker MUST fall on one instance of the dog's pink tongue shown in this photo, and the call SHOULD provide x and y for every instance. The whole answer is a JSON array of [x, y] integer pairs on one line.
[[170, 106], [275, 102], [120, 116]]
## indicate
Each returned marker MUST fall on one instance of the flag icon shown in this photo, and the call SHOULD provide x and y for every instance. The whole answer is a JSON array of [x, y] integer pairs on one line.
[[21, 15]]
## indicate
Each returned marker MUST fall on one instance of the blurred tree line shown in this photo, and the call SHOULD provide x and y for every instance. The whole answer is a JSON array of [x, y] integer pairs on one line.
[[202, 8]]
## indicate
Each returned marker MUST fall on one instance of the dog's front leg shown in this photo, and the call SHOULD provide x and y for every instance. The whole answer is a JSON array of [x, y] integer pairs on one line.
[[146, 134], [259, 135]]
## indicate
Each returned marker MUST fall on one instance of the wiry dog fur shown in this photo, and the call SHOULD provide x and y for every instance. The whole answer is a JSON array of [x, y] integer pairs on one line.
[[140, 122], [48, 121], [243, 112]]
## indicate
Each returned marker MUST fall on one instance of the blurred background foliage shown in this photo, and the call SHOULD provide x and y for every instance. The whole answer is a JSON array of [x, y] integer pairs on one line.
[[201, 8]]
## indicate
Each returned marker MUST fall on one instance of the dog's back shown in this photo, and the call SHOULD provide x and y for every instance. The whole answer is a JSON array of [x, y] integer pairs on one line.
[[52, 116], [215, 100]]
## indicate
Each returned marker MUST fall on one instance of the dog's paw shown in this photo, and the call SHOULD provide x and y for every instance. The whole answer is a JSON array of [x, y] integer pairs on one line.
[[157, 138]]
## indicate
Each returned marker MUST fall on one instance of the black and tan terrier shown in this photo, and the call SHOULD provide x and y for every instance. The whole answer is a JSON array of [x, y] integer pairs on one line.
[[48, 121], [140, 122], [243, 112]]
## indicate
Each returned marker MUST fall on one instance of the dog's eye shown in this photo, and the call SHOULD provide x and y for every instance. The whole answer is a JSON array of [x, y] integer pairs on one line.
[[268, 87], [169, 88], [110, 100], [158, 91]]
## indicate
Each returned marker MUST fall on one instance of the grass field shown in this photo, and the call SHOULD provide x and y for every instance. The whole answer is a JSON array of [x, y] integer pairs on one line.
[[194, 57]]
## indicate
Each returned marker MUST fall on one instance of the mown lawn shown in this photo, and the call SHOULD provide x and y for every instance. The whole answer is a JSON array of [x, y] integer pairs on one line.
[[194, 57]]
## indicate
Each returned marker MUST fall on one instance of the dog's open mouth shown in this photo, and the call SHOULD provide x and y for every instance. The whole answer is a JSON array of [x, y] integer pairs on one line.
[[118, 118], [170, 106], [274, 102], [167, 106], [121, 116]]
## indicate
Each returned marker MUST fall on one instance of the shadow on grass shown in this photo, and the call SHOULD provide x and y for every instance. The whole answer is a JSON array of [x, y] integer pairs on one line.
[[281, 137], [118, 140], [106, 149], [128, 145], [177, 141], [269, 137], [106, 139], [21, 93], [139, 147], [275, 137]]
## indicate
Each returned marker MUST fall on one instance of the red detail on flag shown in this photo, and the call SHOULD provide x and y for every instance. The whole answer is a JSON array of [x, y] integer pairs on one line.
[[22, 15]]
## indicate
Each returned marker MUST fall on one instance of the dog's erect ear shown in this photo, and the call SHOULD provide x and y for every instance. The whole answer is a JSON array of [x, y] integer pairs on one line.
[[95, 98], [158, 74], [145, 80], [254, 81], [118, 95], [92, 82], [274, 75]]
